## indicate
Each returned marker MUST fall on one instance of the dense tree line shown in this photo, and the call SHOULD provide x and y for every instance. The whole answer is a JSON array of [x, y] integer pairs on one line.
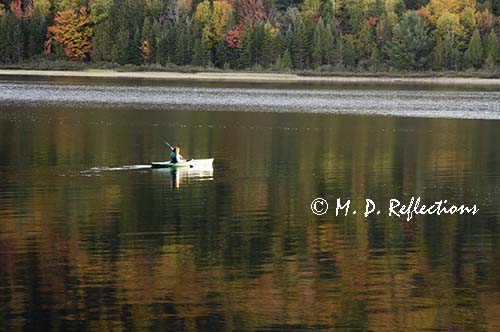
[[240, 34]]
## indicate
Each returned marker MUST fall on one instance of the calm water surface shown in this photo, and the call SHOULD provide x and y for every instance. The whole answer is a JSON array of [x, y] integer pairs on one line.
[[91, 239]]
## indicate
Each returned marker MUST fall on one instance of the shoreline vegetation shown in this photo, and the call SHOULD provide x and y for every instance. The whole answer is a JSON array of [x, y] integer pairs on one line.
[[307, 37], [426, 79]]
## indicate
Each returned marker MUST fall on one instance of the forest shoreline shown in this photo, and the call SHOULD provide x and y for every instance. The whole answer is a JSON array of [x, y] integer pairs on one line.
[[250, 77]]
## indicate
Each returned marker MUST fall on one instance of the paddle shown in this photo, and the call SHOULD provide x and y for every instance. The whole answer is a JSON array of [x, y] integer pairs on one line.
[[170, 146]]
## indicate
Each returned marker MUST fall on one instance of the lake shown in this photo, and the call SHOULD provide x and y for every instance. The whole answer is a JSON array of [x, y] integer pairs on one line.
[[92, 239]]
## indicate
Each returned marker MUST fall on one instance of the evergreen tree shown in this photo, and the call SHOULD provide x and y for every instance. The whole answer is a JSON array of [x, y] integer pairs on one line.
[[166, 46], [246, 47], [411, 44], [338, 53], [438, 55], [286, 61], [490, 63], [289, 39], [455, 59], [102, 42], [182, 54], [328, 45], [492, 47], [267, 48], [256, 44], [358, 33], [383, 31], [162, 49], [310, 27], [134, 55], [36, 34], [200, 54], [120, 45], [375, 61], [10, 38], [349, 55], [279, 43], [300, 44], [221, 52], [317, 42], [126, 34], [365, 43], [474, 55]]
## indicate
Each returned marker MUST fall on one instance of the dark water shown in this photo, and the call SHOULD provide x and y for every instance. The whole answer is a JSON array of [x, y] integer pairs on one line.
[[93, 240]]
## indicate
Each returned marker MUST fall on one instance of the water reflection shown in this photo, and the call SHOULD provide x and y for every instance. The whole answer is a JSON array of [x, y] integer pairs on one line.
[[186, 175], [143, 249]]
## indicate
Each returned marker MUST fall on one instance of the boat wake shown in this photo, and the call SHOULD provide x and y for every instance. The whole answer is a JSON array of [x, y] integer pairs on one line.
[[99, 169]]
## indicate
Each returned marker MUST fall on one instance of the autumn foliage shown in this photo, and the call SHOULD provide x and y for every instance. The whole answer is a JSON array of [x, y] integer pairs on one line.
[[234, 37], [366, 35], [17, 8], [73, 30], [213, 18], [252, 11], [146, 50]]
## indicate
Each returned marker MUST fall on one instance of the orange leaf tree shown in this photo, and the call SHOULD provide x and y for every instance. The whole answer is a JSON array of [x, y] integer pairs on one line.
[[74, 31]]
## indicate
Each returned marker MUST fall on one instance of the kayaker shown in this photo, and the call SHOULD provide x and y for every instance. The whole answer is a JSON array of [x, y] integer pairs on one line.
[[175, 156]]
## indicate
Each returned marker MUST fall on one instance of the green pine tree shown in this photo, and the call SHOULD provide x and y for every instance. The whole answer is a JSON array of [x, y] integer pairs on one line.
[[221, 54], [338, 53], [289, 39], [474, 55], [246, 48], [490, 63], [375, 61], [162, 49], [256, 45], [268, 48], [365, 43], [438, 55], [454, 59], [317, 45], [182, 54], [233, 57], [286, 61], [120, 43], [349, 55], [200, 54], [102, 41], [133, 54], [10, 38], [328, 45], [36, 34], [492, 47], [411, 44], [300, 45]]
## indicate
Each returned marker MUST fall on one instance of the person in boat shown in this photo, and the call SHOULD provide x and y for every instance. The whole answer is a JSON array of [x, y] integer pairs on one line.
[[175, 156]]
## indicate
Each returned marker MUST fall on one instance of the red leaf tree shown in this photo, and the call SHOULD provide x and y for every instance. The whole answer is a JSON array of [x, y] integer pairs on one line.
[[74, 31], [17, 8], [252, 12], [234, 37]]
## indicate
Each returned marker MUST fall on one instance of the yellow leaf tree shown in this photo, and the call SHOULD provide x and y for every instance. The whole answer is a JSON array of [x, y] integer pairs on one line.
[[213, 20], [437, 8]]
